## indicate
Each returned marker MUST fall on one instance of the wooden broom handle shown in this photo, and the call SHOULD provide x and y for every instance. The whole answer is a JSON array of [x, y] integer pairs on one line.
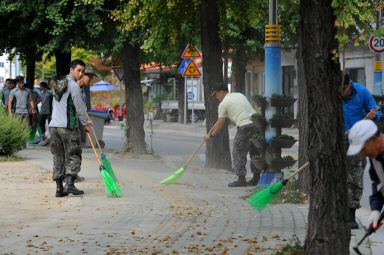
[[197, 149], [94, 133], [346, 133], [298, 170], [93, 147]]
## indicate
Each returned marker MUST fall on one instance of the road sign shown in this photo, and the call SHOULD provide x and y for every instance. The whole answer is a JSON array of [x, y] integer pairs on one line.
[[183, 66], [191, 52], [191, 70], [376, 44], [190, 95], [119, 71]]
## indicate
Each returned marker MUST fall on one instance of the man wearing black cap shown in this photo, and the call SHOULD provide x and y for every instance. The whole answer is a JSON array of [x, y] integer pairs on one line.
[[237, 108], [366, 140], [358, 104]]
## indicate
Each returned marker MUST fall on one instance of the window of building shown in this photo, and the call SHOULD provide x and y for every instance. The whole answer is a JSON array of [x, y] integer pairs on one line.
[[288, 84], [248, 84], [1, 64], [2, 79], [259, 83], [357, 75]]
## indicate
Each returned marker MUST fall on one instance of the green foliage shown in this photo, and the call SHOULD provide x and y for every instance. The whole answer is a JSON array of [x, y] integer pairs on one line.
[[257, 96], [353, 21], [14, 133], [282, 116], [284, 136], [256, 116], [275, 95], [288, 158], [291, 194], [257, 136], [292, 249], [10, 158], [256, 157]]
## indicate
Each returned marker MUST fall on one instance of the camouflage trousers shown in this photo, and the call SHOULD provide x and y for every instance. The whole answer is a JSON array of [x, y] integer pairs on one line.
[[23, 116], [66, 149], [241, 147], [355, 173]]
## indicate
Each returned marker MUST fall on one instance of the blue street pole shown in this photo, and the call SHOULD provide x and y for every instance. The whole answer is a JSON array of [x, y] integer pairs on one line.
[[377, 79]]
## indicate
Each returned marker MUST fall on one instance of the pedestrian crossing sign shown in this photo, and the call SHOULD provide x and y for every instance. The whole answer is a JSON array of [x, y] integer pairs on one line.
[[191, 52], [191, 70]]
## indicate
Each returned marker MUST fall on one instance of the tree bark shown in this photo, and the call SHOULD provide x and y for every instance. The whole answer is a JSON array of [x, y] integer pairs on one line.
[[134, 99], [217, 149], [31, 66], [180, 98], [328, 230], [239, 63], [63, 60], [304, 177]]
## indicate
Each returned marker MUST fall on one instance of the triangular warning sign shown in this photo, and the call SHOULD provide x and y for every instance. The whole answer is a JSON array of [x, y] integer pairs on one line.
[[191, 52], [191, 70]]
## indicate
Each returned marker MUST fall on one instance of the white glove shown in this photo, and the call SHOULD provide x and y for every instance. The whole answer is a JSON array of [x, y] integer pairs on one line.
[[375, 215]]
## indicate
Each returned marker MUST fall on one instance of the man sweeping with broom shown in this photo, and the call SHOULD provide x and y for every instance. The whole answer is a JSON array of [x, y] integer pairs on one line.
[[68, 108], [237, 108]]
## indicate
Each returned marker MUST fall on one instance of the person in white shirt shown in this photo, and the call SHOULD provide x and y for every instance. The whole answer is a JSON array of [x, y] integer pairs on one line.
[[237, 108]]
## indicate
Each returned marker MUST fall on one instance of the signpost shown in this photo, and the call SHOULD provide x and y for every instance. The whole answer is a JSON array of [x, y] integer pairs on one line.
[[188, 68], [376, 45], [119, 71]]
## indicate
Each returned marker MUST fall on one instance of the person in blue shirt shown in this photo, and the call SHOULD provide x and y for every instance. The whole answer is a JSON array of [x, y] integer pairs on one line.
[[358, 104], [365, 139]]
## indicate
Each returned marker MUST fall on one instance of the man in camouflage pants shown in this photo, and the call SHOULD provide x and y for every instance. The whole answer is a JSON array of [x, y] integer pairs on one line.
[[358, 103], [237, 108], [68, 109]]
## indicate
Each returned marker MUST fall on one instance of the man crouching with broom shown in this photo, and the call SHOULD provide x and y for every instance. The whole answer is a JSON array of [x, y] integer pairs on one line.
[[68, 109], [366, 139]]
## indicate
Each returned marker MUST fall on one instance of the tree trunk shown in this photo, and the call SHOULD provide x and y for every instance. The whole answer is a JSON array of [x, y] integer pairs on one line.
[[239, 63], [328, 230], [134, 99], [225, 55], [31, 66], [217, 149], [302, 115], [63, 60], [180, 99]]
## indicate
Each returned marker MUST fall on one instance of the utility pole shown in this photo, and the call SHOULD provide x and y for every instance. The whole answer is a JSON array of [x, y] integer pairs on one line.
[[378, 66]]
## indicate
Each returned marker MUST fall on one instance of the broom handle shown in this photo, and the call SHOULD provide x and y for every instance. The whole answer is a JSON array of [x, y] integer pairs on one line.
[[346, 133], [94, 133], [307, 163], [298, 170], [197, 149], [93, 147]]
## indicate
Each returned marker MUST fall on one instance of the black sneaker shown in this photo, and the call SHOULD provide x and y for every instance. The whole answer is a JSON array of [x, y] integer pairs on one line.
[[241, 182], [253, 181]]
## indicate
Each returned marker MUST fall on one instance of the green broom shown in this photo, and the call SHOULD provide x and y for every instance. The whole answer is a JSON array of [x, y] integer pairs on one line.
[[260, 200], [176, 176], [104, 159], [111, 186]]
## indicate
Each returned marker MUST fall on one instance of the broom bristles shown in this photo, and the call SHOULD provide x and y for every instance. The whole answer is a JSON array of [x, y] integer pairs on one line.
[[111, 186], [175, 177], [108, 167], [260, 200]]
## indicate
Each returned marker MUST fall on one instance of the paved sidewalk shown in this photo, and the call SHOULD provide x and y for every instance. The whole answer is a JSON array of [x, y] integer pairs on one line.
[[198, 215]]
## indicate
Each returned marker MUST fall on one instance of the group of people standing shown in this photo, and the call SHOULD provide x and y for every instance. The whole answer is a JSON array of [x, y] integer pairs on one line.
[[21, 102], [65, 110]]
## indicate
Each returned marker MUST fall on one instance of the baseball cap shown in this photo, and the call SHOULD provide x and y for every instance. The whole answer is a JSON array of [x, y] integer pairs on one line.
[[218, 87], [89, 70], [360, 133]]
